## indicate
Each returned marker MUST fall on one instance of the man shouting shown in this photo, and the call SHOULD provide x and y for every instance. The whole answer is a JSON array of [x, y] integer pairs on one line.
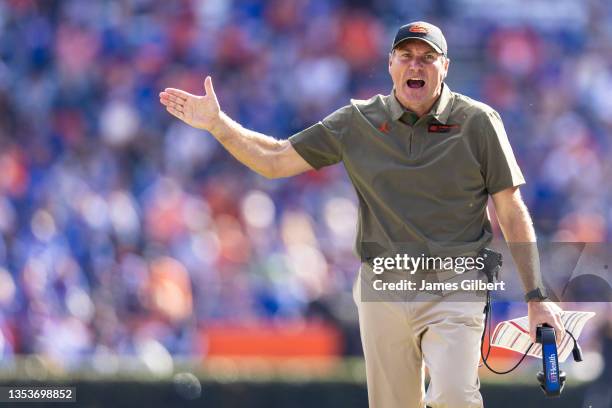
[[424, 161]]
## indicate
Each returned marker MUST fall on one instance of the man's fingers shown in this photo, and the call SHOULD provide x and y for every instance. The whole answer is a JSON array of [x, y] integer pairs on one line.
[[175, 112], [532, 332], [177, 93], [176, 105], [546, 313], [208, 86], [559, 328], [170, 97], [164, 100]]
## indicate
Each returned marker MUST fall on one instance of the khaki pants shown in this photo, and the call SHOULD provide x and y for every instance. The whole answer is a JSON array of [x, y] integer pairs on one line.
[[400, 338]]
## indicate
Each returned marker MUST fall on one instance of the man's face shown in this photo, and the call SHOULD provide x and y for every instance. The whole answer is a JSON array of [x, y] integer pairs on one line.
[[417, 71]]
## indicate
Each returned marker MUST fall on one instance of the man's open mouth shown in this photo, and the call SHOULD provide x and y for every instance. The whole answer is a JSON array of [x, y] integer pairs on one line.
[[415, 83]]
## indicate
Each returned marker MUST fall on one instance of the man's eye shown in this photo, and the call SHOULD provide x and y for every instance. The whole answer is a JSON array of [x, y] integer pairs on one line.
[[429, 57]]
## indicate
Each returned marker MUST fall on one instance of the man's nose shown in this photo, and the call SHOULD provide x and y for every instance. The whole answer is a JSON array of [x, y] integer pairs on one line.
[[415, 63]]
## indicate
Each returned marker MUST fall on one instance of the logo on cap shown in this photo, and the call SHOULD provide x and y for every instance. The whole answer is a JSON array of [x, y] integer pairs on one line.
[[418, 28]]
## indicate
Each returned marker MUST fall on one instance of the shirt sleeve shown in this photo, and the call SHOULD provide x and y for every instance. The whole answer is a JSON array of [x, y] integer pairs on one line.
[[321, 144], [499, 167]]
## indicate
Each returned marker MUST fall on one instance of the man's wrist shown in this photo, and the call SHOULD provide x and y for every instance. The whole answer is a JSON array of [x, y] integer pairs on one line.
[[536, 295], [217, 123]]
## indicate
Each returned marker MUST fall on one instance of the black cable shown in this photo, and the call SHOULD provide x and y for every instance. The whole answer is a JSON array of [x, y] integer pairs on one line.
[[572, 336], [507, 371], [487, 326], [576, 351], [488, 313]]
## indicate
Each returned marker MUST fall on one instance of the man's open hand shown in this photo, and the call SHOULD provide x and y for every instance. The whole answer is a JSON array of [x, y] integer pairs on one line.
[[201, 112], [545, 312]]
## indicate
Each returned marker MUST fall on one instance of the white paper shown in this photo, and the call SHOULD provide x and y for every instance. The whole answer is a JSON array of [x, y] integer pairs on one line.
[[514, 334]]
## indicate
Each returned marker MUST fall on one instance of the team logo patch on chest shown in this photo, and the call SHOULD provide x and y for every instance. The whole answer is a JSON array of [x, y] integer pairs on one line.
[[384, 127], [439, 128]]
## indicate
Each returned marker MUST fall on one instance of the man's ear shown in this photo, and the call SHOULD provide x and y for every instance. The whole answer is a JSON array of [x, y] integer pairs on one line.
[[390, 58], [446, 64]]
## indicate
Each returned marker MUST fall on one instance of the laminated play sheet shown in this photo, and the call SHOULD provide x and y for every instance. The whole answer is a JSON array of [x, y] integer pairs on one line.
[[514, 334]]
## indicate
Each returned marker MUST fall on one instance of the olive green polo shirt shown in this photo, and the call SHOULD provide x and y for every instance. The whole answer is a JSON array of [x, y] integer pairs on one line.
[[422, 181]]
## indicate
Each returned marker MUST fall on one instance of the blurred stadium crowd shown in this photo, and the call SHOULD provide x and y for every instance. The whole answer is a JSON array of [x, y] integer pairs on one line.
[[123, 231]]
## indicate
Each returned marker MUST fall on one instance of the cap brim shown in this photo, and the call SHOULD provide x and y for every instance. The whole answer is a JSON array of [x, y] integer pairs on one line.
[[434, 46]]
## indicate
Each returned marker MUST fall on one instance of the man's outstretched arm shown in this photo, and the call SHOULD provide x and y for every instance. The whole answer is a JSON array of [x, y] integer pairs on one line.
[[517, 228], [263, 154]]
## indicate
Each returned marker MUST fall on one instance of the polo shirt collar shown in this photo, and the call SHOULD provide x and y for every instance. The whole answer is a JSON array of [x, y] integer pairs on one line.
[[440, 110], [395, 108]]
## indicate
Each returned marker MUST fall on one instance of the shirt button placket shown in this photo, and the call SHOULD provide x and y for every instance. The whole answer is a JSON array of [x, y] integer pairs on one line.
[[409, 119], [410, 142]]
